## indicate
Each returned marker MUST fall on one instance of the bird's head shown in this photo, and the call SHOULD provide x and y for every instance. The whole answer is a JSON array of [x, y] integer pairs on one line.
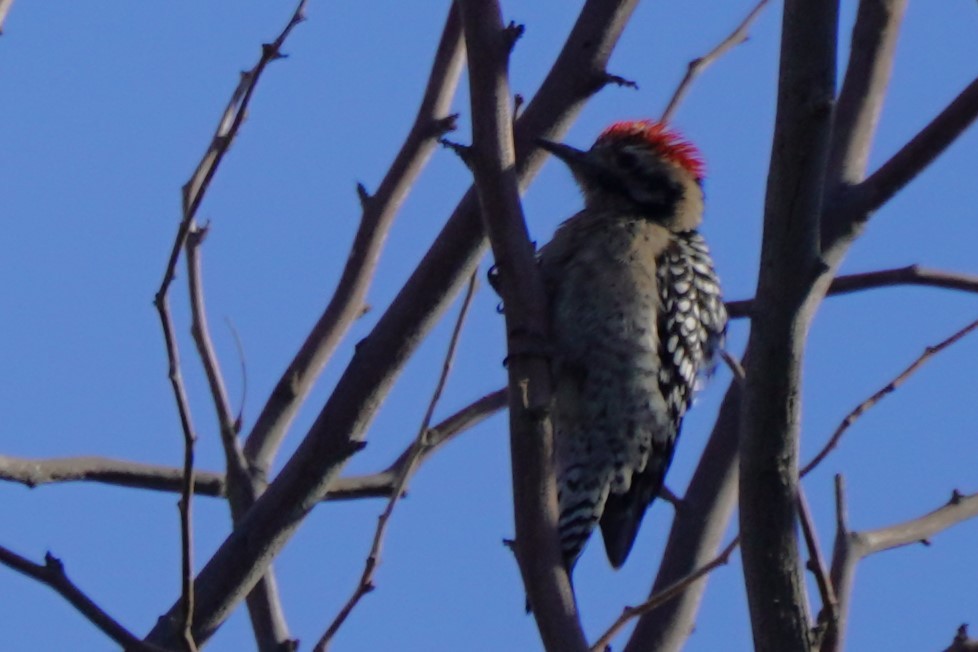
[[639, 167]]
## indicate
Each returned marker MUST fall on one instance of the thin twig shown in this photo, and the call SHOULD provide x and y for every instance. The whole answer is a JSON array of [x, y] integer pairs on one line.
[[662, 597], [909, 275], [212, 368], [957, 509], [243, 364], [816, 561], [366, 583], [378, 212], [36, 472], [919, 152], [187, 542], [852, 546], [697, 66], [227, 129], [193, 193], [890, 387], [734, 365], [241, 487], [52, 573]]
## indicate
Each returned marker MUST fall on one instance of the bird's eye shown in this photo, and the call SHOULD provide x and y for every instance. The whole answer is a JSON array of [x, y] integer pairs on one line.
[[626, 160]]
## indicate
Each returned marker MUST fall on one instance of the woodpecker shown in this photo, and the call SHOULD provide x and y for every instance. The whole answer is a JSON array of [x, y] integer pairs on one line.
[[636, 319]]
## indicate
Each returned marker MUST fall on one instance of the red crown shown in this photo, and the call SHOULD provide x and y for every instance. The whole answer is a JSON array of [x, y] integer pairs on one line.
[[667, 144]]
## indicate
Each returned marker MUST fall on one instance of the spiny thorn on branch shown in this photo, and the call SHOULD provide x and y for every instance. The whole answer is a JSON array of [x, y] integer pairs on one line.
[[464, 152], [518, 102], [962, 642], [271, 52], [197, 234], [364, 196], [442, 126], [513, 33], [354, 447], [619, 81], [53, 563]]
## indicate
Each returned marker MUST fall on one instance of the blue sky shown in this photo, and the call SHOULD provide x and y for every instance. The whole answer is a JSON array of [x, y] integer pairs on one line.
[[108, 107]]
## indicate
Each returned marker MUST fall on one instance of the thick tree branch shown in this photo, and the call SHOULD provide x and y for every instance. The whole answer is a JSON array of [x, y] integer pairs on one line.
[[873, 43], [379, 210], [52, 573], [340, 428], [786, 299], [698, 65], [414, 454], [493, 163]]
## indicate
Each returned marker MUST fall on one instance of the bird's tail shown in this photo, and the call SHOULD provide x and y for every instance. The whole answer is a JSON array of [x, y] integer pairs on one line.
[[580, 511]]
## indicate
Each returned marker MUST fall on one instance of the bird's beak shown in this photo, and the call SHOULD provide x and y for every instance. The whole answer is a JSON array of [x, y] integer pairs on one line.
[[580, 163], [569, 155]]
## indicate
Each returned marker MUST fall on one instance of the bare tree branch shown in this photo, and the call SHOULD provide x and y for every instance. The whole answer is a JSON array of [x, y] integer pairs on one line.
[[52, 573], [666, 595], [4, 8], [35, 472], [339, 430], [415, 452], [958, 509], [816, 562], [854, 206], [187, 544], [193, 194], [493, 163], [264, 606], [698, 65], [842, 572], [852, 546], [236, 465], [871, 49], [889, 388], [910, 275], [785, 302], [227, 129], [379, 210]]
